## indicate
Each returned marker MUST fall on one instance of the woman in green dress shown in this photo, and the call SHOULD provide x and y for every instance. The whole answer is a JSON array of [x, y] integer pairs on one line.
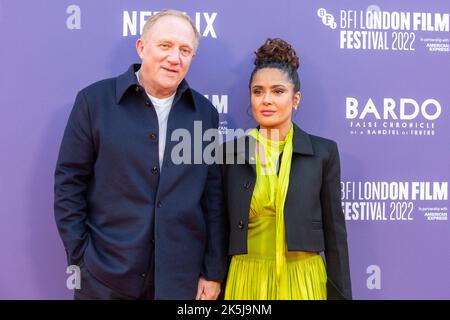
[[283, 196]]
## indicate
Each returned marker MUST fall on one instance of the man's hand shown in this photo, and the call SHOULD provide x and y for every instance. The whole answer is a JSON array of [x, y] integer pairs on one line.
[[207, 290]]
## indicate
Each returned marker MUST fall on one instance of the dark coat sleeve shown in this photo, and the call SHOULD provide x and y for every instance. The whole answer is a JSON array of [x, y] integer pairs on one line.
[[215, 260], [336, 249], [72, 174]]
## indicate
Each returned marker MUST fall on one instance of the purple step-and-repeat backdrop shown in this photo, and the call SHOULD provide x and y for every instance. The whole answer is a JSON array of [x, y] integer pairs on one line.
[[375, 78]]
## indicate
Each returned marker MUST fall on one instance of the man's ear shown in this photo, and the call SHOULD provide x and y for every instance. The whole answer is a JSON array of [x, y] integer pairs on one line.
[[140, 47]]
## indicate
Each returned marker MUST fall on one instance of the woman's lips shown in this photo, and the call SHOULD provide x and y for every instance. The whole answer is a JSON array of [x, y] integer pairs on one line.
[[267, 113]]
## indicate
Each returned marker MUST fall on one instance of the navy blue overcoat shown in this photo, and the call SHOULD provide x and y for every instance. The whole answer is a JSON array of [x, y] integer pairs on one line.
[[115, 208]]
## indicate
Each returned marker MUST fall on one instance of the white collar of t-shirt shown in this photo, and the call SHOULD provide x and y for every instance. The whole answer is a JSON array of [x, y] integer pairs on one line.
[[157, 102]]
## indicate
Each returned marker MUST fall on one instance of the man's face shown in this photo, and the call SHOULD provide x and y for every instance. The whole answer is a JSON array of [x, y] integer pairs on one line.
[[166, 54]]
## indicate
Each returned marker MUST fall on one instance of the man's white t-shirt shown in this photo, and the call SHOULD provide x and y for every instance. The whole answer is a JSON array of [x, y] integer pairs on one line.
[[162, 108]]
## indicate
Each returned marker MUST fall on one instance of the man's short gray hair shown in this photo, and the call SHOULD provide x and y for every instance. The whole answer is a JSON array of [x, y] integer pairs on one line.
[[170, 12]]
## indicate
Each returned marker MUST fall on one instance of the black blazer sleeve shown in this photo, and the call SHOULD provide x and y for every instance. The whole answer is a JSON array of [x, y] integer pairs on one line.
[[73, 171], [336, 250]]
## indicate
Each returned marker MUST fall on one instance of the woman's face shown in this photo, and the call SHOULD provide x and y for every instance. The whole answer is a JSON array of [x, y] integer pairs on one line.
[[273, 99]]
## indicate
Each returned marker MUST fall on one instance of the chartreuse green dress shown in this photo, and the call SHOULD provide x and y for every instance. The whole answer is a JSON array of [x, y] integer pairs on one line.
[[268, 271]]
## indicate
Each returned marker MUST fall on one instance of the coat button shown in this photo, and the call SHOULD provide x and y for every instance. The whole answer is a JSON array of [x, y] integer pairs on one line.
[[241, 224], [137, 88], [155, 170], [143, 274], [247, 185], [152, 136], [159, 204]]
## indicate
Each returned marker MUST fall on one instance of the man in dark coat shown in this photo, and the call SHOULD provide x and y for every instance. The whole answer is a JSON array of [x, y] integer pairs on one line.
[[137, 222]]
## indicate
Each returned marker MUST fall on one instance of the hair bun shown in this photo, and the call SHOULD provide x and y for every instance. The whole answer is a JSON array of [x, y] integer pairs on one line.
[[277, 50]]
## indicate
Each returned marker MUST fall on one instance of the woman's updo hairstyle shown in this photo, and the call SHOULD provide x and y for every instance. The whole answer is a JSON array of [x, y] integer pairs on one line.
[[277, 53]]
